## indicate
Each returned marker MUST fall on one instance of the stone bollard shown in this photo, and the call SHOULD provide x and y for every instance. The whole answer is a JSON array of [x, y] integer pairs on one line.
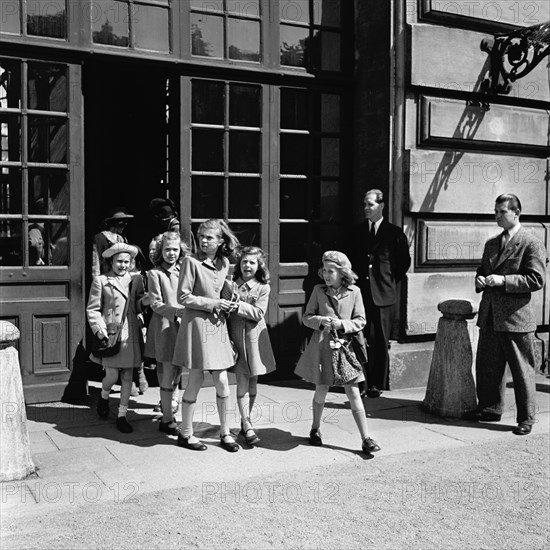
[[15, 454], [451, 388]]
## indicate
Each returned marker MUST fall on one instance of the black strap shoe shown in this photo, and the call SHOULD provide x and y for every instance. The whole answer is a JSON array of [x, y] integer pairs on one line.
[[167, 429], [184, 442], [370, 446], [229, 444], [103, 407], [315, 438], [123, 425]]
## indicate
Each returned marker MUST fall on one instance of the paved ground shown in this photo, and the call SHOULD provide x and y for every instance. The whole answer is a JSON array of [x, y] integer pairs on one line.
[[86, 469]]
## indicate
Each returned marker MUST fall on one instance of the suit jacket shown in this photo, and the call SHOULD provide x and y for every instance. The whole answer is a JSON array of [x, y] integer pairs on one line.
[[387, 263], [523, 264]]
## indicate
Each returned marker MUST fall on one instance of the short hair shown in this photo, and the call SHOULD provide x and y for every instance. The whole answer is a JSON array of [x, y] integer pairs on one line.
[[263, 272], [159, 242], [378, 194], [513, 201], [230, 241]]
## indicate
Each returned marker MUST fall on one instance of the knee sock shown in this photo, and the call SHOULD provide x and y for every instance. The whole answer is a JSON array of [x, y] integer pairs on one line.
[[361, 420], [187, 410], [317, 414], [122, 410], [221, 401], [244, 408], [251, 401], [166, 404]]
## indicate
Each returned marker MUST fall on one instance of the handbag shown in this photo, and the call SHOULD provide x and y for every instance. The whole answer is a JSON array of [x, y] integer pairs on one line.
[[345, 365], [109, 346]]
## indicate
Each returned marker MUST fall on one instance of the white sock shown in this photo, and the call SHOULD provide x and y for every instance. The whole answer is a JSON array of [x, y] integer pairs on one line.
[[122, 411], [105, 394]]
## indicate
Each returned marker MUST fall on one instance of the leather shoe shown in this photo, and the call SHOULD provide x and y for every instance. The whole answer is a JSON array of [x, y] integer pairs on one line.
[[483, 416], [229, 444], [123, 425], [373, 392], [103, 407], [315, 438], [370, 446], [167, 429], [250, 436], [184, 442], [522, 429]]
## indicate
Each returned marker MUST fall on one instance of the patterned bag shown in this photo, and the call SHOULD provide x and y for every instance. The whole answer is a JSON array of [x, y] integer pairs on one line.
[[345, 365]]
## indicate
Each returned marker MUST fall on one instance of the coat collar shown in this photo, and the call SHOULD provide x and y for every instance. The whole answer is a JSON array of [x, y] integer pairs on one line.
[[496, 257], [342, 292], [122, 284], [172, 270], [217, 264]]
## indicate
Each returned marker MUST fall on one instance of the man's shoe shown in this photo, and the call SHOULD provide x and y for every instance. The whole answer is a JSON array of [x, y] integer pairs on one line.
[[522, 429], [167, 429], [229, 444], [370, 446], [315, 438], [123, 425], [103, 407], [184, 442], [373, 392]]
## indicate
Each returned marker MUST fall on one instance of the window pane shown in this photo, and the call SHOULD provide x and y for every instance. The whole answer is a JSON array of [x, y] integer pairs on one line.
[[59, 244], [293, 109], [10, 84], [46, 18], [207, 197], [207, 150], [47, 85], [330, 157], [10, 19], [327, 12], [207, 4], [325, 204], [244, 152], [37, 244], [208, 102], [206, 35], [294, 154], [244, 8], [48, 243], [110, 23], [293, 203], [151, 28], [48, 192], [249, 234], [10, 191], [294, 242], [294, 10], [243, 38], [330, 113], [10, 129], [245, 105], [294, 45], [330, 50], [244, 198], [47, 139], [11, 243]]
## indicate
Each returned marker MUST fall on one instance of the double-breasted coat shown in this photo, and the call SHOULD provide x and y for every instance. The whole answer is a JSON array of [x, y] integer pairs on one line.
[[203, 341], [248, 330], [315, 364], [162, 331], [108, 295]]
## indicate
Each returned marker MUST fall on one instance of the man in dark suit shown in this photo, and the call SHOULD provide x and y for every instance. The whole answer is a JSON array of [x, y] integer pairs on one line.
[[381, 260], [512, 267]]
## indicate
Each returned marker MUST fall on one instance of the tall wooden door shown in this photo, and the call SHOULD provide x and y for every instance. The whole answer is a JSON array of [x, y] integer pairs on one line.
[[41, 218]]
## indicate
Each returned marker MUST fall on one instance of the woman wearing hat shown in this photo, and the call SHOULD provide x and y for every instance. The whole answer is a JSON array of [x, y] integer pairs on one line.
[[115, 224], [105, 312]]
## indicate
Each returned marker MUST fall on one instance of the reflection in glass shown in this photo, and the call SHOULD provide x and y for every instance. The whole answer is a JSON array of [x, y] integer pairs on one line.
[[293, 45], [249, 234], [243, 38], [37, 244], [330, 157], [207, 197], [110, 23], [151, 28], [330, 113], [58, 253], [10, 140], [47, 87], [10, 190], [48, 192], [11, 243], [10, 21], [293, 109], [243, 8], [46, 18], [245, 105], [294, 10], [10, 84], [48, 243], [244, 152], [327, 12], [294, 242], [206, 35], [330, 51], [244, 198], [294, 154], [208, 102], [325, 204], [293, 198], [47, 140], [207, 150], [207, 4]]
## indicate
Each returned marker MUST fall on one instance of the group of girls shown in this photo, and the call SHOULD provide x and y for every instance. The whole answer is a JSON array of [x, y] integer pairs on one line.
[[193, 327]]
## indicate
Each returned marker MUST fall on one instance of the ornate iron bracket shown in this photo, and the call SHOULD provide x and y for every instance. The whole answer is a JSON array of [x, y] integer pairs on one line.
[[514, 55]]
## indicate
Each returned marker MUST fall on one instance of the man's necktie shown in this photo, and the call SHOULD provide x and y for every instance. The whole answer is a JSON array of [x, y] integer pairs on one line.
[[504, 240], [372, 235]]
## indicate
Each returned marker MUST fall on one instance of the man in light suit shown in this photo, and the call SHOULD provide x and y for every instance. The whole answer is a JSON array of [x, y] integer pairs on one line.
[[512, 267], [381, 260]]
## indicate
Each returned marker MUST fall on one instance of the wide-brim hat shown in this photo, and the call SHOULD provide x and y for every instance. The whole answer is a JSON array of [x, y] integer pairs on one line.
[[336, 257], [118, 214], [117, 248]]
